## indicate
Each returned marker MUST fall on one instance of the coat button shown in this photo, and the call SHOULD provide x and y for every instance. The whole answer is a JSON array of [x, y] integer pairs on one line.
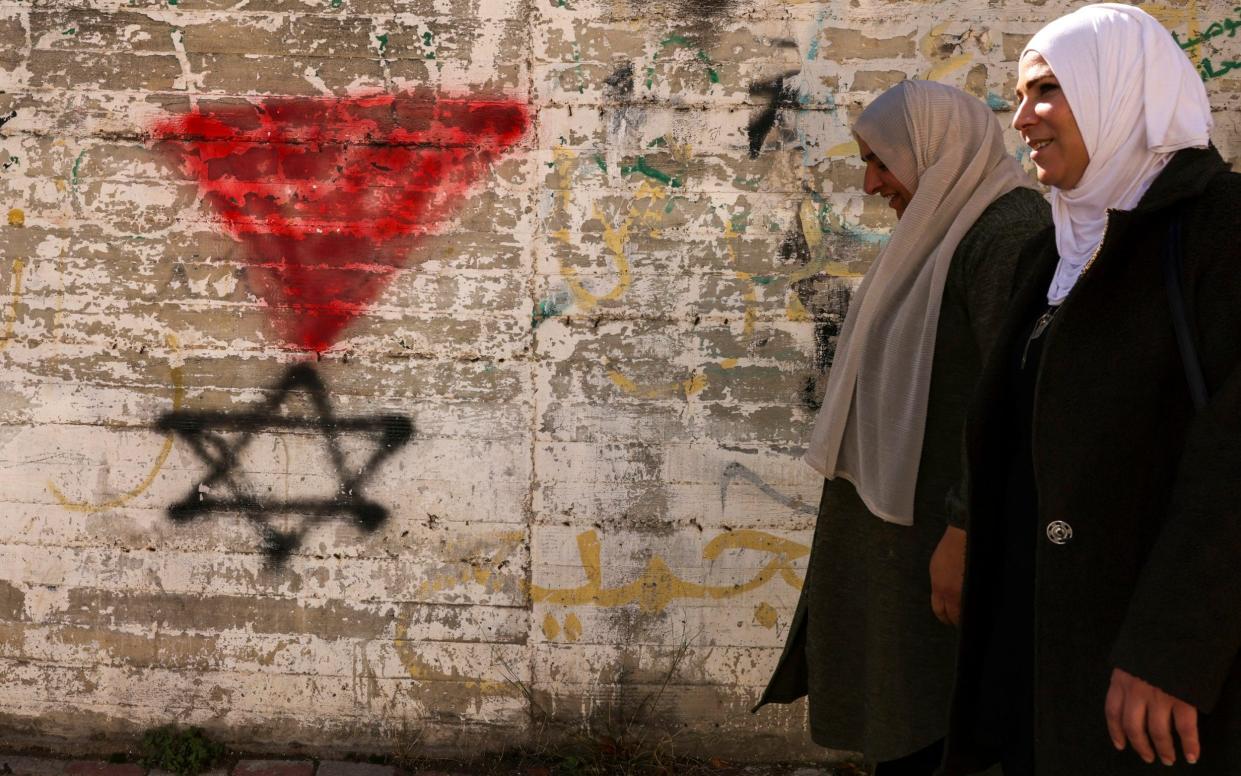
[[1059, 532]]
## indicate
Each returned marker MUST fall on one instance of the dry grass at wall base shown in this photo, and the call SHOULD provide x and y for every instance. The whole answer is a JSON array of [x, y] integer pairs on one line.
[[628, 739], [626, 743]]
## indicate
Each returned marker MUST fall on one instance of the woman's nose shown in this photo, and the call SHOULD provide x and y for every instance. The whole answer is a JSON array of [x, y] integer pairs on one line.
[[1024, 115], [871, 182]]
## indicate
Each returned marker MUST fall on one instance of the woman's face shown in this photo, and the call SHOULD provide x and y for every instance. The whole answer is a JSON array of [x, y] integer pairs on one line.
[[1045, 121], [880, 180]]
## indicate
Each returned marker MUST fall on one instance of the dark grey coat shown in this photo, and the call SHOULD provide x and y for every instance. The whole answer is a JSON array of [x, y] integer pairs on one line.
[[864, 643], [1150, 580]]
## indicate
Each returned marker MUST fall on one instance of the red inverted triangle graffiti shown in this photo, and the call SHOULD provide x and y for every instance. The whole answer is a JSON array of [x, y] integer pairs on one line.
[[329, 195]]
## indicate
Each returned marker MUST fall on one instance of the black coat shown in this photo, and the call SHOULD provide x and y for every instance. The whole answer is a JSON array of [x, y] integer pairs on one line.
[[1150, 580]]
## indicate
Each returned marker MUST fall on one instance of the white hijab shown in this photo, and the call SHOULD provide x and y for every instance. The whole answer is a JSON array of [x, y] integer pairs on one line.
[[1136, 98], [948, 148]]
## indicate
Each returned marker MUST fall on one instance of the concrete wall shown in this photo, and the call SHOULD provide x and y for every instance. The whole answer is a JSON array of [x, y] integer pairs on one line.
[[608, 337]]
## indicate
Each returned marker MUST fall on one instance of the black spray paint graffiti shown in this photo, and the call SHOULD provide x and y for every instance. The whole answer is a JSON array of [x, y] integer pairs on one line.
[[736, 470], [827, 302], [618, 91], [204, 433], [779, 97], [619, 85]]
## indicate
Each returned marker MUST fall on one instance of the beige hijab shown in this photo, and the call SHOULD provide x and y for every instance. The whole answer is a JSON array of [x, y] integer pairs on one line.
[[947, 148]]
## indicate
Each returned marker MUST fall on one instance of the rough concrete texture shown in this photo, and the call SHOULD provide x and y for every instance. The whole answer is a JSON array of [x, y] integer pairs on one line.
[[545, 470]]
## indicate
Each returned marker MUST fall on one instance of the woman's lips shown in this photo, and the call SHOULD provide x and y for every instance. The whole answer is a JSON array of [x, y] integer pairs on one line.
[[1036, 146]]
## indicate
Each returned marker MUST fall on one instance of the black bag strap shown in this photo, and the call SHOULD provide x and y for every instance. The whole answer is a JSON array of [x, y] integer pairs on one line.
[[1182, 314]]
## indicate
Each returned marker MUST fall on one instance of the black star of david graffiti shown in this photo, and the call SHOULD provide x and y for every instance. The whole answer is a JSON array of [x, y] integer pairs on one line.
[[203, 432]]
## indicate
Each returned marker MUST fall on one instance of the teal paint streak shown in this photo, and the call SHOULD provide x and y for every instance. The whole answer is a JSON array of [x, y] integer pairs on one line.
[[640, 166], [557, 304], [813, 53]]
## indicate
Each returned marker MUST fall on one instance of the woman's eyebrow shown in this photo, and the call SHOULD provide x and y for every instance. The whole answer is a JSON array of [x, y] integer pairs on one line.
[[1035, 82]]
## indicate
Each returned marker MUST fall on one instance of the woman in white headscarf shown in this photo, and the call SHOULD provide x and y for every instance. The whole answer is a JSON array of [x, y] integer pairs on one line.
[[1102, 610], [865, 644]]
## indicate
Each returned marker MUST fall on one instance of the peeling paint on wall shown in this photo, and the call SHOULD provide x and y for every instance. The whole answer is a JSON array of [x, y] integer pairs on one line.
[[596, 252]]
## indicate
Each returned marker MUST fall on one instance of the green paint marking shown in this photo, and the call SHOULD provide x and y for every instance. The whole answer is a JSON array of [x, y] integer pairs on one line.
[[427, 38], [337, 3], [430, 55], [650, 77], [603, 163], [77, 165], [640, 166], [762, 280], [71, 31], [557, 304], [1229, 26], [738, 222], [658, 142], [701, 55], [1207, 70], [383, 43]]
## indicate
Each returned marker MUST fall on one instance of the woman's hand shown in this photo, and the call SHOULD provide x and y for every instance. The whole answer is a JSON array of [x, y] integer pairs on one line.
[[1135, 708], [947, 574]]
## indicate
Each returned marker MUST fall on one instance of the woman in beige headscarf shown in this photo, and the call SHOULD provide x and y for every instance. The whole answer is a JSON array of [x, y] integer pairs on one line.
[[865, 644]]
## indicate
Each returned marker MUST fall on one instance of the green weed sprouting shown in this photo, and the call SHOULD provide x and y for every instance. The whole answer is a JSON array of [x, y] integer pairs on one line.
[[184, 752]]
